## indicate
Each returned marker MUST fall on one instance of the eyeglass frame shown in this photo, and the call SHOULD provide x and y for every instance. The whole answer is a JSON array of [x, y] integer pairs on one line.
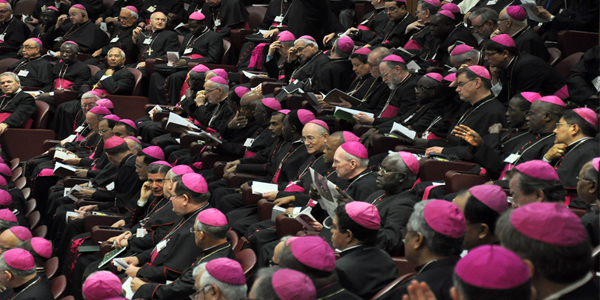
[[310, 139], [462, 84], [195, 295]]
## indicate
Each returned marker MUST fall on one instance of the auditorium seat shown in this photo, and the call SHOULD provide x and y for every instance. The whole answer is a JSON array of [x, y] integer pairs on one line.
[[555, 56], [397, 282], [150, 63], [234, 239], [383, 143], [246, 258], [40, 231], [24, 7], [34, 219], [572, 41], [404, 266], [62, 96], [256, 14], [93, 69], [129, 107], [107, 4], [566, 65], [21, 182], [435, 170], [41, 120], [16, 173], [265, 209], [24, 143], [226, 52], [58, 286], [51, 267], [287, 226], [26, 193], [7, 62], [31, 205], [14, 163], [361, 8], [137, 88], [459, 180]]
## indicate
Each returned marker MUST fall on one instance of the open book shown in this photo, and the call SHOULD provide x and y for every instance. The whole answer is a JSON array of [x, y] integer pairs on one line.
[[62, 170], [347, 113], [327, 192], [205, 134], [404, 132], [334, 97], [177, 123], [61, 154]]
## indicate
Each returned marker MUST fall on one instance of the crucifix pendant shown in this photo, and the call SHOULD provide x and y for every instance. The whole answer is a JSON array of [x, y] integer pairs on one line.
[[149, 51]]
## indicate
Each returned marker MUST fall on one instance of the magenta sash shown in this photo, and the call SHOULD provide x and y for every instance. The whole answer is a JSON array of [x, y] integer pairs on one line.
[[293, 188], [184, 88], [5, 115], [562, 93], [363, 27], [432, 136], [412, 45], [249, 154], [62, 84], [390, 111], [195, 56], [276, 176], [197, 165], [101, 91], [257, 56]]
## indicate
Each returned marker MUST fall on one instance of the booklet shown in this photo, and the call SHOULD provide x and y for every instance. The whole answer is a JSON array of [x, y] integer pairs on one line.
[[327, 190], [403, 131], [178, 123], [334, 97], [347, 113], [62, 170], [260, 188], [62, 154], [110, 255]]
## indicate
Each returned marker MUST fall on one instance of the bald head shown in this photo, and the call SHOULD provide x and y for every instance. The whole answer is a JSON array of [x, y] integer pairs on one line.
[[158, 21], [250, 97], [9, 240]]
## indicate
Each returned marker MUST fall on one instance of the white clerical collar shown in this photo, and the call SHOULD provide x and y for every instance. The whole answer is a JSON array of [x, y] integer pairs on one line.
[[575, 285], [579, 140], [350, 248]]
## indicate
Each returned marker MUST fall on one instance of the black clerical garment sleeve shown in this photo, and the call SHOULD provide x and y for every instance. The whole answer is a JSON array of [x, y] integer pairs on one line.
[[21, 108], [158, 225], [336, 74], [15, 33], [394, 211], [78, 73], [362, 185], [234, 139], [33, 73], [579, 81], [127, 185], [208, 44], [584, 17]]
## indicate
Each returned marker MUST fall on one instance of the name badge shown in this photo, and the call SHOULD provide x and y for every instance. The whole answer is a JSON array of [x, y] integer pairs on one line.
[[512, 158], [79, 129], [248, 142], [279, 19], [596, 83], [111, 186], [23, 73], [58, 39], [104, 77], [188, 51], [147, 41], [492, 2], [161, 245], [151, 8], [115, 39], [2, 37], [409, 118], [217, 22], [141, 232]]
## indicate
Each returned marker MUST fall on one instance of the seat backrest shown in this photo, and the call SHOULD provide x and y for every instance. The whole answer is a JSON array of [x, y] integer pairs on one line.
[[21, 182], [26, 193], [7, 62], [58, 286], [181, 37], [572, 41], [93, 69], [137, 88], [234, 238], [596, 259], [361, 8], [129, 107], [14, 163], [226, 52], [16, 173], [51, 267], [107, 4], [256, 16], [404, 266], [24, 7], [246, 258], [34, 219], [564, 67], [555, 55], [40, 231], [41, 120], [397, 282], [68, 298]]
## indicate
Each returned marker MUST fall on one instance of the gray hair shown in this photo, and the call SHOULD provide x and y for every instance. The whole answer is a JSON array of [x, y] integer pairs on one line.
[[427, 6], [199, 268], [19, 273], [229, 291], [437, 243], [307, 42], [485, 14], [8, 5], [263, 289], [516, 22], [157, 168], [395, 159], [136, 145], [4, 225], [339, 51], [90, 95], [120, 50], [382, 52], [462, 58], [14, 76], [220, 85], [284, 240], [133, 13], [214, 232], [362, 162]]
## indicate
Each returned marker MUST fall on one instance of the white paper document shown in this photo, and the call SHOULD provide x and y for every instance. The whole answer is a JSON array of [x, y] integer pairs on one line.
[[528, 5], [403, 130], [263, 187], [127, 288], [179, 120]]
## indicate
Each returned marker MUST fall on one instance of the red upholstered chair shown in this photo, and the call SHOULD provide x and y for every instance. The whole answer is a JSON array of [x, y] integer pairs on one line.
[[14, 163], [83, 57], [16, 173], [150, 63], [233, 237], [7, 62], [58, 286], [90, 220], [596, 259], [41, 120], [93, 69], [572, 41], [68, 298], [61, 97], [31, 205], [256, 16], [129, 107], [226, 52], [107, 4], [432, 170], [24, 7], [34, 219], [287, 226], [555, 55], [21, 182], [361, 8], [137, 88], [566, 65], [247, 258], [51, 267], [458, 180], [404, 266], [265, 209], [26, 193], [40, 231], [397, 282]]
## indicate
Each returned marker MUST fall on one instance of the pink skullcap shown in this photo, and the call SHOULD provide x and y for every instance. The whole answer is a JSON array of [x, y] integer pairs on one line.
[[480, 71], [100, 110], [21, 232], [492, 267], [79, 6], [129, 122], [394, 58], [71, 42], [550, 223], [365, 214], [95, 93], [5, 170], [106, 103], [531, 96], [451, 7], [461, 49], [538, 169], [350, 137], [102, 285], [492, 196], [285, 36], [5, 198], [305, 115], [355, 148], [212, 217], [132, 8], [307, 37], [410, 161], [51, 8], [200, 69], [221, 73], [596, 163], [271, 103], [195, 182], [435, 76], [36, 40], [553, 100], [133, 138], [42, 247], [241, 90], [447, 13], [7, 215], [197, 16], [219, 79], [155, 152], [3, 181], [113, 117], [363, 51], [113, 141], [161, 162], [516, 12], [290, 284], [314, 252], [450, 77], [291, 239], [320, 123], [19, 259], [434, 2], [3, 1], [444, 217], [346, 44], [182, 169], [284, 111], [588, 115], [226, 270], [504, 40]]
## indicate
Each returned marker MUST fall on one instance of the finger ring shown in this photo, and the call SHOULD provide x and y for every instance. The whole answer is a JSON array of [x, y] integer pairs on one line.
[[238, 124]]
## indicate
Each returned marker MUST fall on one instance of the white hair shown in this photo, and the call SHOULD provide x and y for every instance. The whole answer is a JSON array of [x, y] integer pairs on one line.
[[307, 42], [229, 291], [90, 95], [120, 50], [220, 85], [14, 76], [133, 13]]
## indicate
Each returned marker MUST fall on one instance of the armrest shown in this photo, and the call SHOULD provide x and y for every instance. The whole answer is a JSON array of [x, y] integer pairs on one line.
[[196, 148], [150, 62], [459, 180], [90, 221], [258, 80], [269, 87], [235, 180], [383, 144], [103, 233], [84, 202], [149, 107], [360, 129], [287, 226], [265, 209], [432, 170], [416, 150], [50, 143], [218, 169], [248, 197], [186, 139], [209, 159], [62, 96], [294, 101]]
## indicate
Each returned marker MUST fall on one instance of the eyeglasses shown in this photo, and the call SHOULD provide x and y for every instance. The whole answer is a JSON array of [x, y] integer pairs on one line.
[[488, 54], [124, 18], [500, 20], [309, 138], [88, 105], [300, 49], [4, 11], [562, 124], [174, 196], [193, 230], [461, 84], [75, 15], [382, 171], [103, 131], [385, 74], [29, 47], [585, 179], [420, 89], [138, 167], [202, 291], [272, 263], [210, 91]]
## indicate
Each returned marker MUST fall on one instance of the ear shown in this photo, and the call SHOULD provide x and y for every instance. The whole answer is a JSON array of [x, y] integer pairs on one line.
[[484, 230], [350, 236], [401, 177], [419, 240], [539, 196], [575, 129], [216, 290], [455, 294], [533, 293], [531, 268]]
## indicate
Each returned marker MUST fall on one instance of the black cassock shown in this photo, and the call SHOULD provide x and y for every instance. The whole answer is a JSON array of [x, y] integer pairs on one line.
[[314, 18], [37, 288], [71, 116], [576, 155], [13, 32], [591, 222], [401, 100], [579, 81], [115, 9], [394, 33], [120, 37], [121, 82], [76, 73], [376, 22], [21, 107], [419, 118], [375, 97], [183, 286], [35, 72], [460, 35], [88, 36], [156, 44], [336, 74], [230, 14], [297, 71], [335, 292], [437, 274], [365, 270], [528, 41], [529, 73], [164, 6]]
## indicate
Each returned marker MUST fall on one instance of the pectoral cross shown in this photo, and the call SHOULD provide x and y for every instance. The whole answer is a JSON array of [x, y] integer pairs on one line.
[[149, 51]]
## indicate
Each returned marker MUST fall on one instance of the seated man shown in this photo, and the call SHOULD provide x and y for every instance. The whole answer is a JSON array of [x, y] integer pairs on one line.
[[444, 28], [41, 250], [587, 189], [580, 87], [484, 22], [46, 20], [112, 15], [156, 42], [363, 268], [120, 37], [514, 23], [224, 15], [17, 107], [116, 80], [80, 30], [337, 73], [465, 55], [563, 268], [277, 283], [20, 277], [73, 114], [32, 69], [225, 277], [304, 60], [102, 285], [13, 237], [419, 31], [394, 34], [14, 31], [535, 181]]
